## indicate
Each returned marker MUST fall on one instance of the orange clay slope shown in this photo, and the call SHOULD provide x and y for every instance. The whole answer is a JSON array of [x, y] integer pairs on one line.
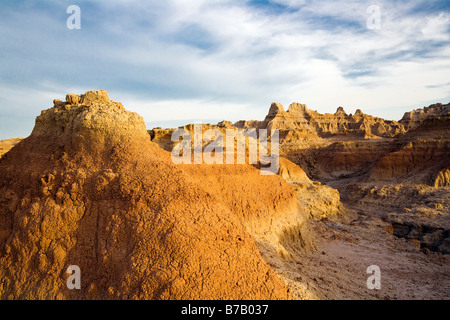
[[89, 188]]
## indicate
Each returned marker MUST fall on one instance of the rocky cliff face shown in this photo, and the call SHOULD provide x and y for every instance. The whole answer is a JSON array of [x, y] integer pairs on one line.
[[339, 145], [335, 146], [299, 117], [415, 118], [89, 188], [442, 178], [422, 155]]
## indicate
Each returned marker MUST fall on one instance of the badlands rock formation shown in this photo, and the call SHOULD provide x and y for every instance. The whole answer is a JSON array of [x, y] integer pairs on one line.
[[356, 160], [299, 117], [92, 187], [336, 146], [89, 188], [415, 118], [422, 155], [318, 201]]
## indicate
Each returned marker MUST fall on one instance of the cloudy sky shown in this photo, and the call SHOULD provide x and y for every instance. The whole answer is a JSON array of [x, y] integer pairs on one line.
[[179, 61]]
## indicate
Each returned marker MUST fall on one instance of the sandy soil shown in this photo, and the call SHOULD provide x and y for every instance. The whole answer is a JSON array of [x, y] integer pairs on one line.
[[338, 269]]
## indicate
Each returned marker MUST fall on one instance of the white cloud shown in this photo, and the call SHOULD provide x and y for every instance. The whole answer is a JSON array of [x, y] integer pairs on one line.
[[437, 27], [229, 60], [156, 111]]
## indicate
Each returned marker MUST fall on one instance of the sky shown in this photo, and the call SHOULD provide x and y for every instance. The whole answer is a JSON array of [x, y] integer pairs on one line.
[[179, 61]]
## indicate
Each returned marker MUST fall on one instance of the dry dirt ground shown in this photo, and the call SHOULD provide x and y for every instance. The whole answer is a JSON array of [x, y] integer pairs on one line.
[[339, 269]]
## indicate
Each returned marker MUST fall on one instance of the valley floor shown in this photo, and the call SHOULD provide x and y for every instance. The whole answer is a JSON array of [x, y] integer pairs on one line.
[[339, 269]]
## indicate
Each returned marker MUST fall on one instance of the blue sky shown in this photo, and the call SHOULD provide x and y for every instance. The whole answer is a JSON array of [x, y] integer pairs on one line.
[[178, 61]]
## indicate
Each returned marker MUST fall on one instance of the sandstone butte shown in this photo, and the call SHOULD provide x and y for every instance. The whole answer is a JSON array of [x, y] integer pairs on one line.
[[88, 187]]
